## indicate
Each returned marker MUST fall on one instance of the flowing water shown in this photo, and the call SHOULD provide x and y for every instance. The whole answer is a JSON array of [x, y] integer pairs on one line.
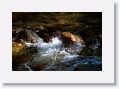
[[56, 56]]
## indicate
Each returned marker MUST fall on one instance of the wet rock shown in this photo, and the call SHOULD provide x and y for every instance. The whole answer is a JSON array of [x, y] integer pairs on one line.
[[15, 31], [14, 34], [19, 30], [27, 36], [21, 53], [21, 59], [79, 39], [37, 28], [57, 33], [17, 47], [71, 38], [44, 35]]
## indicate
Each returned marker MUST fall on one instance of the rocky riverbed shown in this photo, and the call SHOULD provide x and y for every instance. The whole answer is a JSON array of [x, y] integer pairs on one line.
[[57, 41]]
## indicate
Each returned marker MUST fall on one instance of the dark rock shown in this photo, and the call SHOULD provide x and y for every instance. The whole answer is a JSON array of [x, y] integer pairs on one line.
[[28, 36], [57, 33], [21, 59], [14, 34], [44, 35]]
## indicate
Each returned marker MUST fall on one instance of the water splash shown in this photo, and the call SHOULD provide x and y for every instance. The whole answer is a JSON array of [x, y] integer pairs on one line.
[[55, 50], [55, 43], [55, 54]]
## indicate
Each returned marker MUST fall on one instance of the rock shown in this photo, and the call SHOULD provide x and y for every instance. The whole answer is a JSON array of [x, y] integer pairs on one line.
[[15, 31], [14, 34], [21, 53], [45, 36], [21, 59], [56, 34], [68, 37], [19, 30], [37, 28], [17, 48], [71, 38], [28, 36]]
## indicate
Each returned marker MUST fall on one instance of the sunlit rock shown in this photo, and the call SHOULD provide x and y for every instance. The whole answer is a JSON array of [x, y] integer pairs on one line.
[[17, 48], [21, 54], [71, 38]]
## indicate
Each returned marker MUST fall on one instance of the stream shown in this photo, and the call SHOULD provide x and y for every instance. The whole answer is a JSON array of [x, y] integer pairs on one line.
[[55, 56]]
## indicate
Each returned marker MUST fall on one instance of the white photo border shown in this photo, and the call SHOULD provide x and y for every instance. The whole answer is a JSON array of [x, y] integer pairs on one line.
[[104, 76]]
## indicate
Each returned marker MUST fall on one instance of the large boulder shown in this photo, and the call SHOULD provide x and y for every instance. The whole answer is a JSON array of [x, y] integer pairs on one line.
[[71, 38]]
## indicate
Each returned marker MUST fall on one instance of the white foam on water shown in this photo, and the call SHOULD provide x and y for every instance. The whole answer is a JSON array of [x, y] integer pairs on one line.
[[63, 52], [28, 44], [69, 57], [55, 50], [55, 42]]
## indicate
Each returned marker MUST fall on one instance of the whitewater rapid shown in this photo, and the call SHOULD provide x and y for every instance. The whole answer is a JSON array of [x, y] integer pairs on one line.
[[56, 56]]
